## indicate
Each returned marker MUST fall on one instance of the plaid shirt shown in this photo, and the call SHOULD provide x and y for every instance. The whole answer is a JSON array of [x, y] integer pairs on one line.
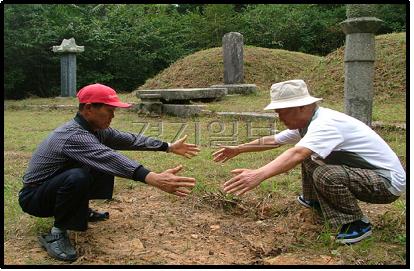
[[74, 144]]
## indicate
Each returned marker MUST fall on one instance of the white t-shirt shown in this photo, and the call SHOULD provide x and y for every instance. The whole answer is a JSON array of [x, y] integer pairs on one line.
[[337, 138]]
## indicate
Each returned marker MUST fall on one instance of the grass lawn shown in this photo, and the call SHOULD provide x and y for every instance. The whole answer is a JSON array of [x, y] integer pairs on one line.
[[26, 128], [272, 203]]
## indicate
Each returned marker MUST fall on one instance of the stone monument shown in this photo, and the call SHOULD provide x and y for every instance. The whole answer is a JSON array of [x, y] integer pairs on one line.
[[233, 65], [359, 27], [233, 58], [68, 50]]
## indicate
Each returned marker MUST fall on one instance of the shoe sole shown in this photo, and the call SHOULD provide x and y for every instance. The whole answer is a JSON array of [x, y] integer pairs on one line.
[[353, 240], [97, 219], [51, 253], [302, 202]]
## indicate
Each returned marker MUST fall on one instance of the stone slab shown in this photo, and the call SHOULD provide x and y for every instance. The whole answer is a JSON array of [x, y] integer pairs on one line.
[[150, 97], [249, 115], [180, 110], [182, 94], [244, 89], [390, 126], [150, 108]]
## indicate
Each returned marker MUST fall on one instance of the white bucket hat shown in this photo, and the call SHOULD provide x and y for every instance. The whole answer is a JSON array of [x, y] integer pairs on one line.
[[290, 93]]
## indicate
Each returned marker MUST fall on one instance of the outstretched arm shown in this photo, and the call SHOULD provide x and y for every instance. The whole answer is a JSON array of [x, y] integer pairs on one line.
[[247, 179], [261, 144]]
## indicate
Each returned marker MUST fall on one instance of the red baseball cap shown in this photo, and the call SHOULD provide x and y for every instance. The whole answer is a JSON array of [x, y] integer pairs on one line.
[[98, 93]]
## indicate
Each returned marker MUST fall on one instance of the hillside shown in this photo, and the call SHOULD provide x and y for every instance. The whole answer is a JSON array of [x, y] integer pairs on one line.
[[263, 67], [327, 78]]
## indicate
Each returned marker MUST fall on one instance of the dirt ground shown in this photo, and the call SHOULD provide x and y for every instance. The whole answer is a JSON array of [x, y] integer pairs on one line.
[[150, 227]]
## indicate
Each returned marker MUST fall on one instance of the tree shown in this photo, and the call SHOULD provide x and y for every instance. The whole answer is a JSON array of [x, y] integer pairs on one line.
[[127, 44]]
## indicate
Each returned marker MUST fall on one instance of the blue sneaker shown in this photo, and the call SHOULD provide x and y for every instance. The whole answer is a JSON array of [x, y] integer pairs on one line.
[[309, 203], [354, 232]]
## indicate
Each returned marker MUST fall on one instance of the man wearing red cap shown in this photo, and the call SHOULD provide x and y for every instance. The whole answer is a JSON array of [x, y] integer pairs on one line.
[[77, 162]]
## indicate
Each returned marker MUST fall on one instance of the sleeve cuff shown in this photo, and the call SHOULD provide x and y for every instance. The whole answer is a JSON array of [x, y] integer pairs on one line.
[[140, 173], [164, 146]]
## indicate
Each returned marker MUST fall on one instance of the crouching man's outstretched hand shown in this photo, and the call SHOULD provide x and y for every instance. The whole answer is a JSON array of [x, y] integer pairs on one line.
[[184, 149], [245, 180], [225, 153], [169, 182]]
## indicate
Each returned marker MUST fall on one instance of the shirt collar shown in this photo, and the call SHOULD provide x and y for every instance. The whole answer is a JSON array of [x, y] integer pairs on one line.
[[303, 131], [83, 122]]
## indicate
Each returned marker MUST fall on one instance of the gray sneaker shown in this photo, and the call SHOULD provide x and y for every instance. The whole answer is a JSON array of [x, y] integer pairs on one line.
[[309, 203], [58, 246]]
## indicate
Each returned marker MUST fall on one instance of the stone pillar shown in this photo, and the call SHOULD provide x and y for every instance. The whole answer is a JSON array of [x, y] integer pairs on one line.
[[233, 58], [360, 27], [68, 50], [233, 66]]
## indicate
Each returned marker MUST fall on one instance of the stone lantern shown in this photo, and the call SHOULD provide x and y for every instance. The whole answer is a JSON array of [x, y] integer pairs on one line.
[[360, 27], [68, 50]]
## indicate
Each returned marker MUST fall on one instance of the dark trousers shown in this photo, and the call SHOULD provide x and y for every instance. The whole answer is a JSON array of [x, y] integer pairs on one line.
[[66, 197]]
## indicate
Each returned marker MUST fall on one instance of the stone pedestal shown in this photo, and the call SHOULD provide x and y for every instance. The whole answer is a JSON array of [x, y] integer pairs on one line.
[[68, 49], [177, 102], [182, 94], [243, 89], [359, 61], [183, 110], [150, 107]]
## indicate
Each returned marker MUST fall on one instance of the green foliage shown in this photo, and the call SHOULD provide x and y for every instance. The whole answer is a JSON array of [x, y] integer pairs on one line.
[[307, 28], [393, 16], [127, 44]]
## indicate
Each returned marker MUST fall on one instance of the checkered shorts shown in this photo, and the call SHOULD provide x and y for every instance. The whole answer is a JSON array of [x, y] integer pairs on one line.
[[339, 187]]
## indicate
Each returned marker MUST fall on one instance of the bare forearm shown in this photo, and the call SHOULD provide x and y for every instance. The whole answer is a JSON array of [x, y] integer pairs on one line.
[[284, 162], [260, 144], [248, 179]]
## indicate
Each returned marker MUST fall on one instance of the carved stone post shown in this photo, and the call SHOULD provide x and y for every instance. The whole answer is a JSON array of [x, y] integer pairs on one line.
[[68, 49], [360, 28]]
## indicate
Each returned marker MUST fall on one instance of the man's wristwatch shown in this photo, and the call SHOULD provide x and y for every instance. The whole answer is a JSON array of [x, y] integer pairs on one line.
[[169, 146]]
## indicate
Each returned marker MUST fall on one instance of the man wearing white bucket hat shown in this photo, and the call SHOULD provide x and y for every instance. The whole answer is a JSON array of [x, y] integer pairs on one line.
[[343, 160]]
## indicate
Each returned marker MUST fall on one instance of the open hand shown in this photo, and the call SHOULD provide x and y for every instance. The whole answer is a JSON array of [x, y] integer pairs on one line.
[[184, 149], [169, 182], [245, 180], [225, 153]]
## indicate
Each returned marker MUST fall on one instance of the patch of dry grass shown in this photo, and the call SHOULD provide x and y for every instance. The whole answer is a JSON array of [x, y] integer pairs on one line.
[[262, 66], [327, 78], [324, 76]]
